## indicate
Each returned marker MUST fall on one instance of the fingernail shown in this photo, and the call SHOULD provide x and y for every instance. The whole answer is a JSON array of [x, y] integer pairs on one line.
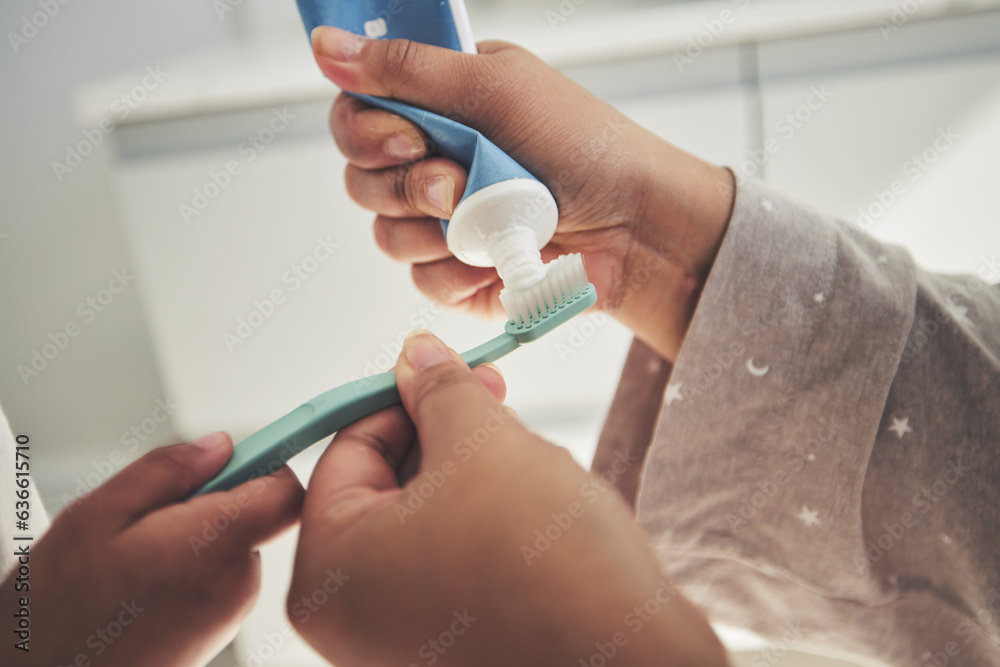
[[337, 44], [441, 194], [403, 146], [212, 441], [423, 349]]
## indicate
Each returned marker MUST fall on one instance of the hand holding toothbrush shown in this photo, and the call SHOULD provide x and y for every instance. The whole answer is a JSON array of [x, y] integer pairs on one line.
[[448, 568], [647, 217], [132, 575]]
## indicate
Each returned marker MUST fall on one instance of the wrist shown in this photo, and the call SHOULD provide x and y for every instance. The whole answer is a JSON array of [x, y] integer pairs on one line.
[[682, 213]]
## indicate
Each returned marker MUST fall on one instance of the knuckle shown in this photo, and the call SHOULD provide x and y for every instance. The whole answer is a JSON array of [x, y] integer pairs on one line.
[[338, 123], [401, 188], [413, 185], [399, 59], [176, 475], [424, 280], [382, 231], [449, 292], [437, 281], [443, 379], [352, 183]]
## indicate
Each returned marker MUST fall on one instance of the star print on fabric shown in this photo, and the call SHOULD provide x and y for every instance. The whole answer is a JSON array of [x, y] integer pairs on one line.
[[674, 392], [809, 517], [959, 313], [767, 205], [901, 426], [819, 297]]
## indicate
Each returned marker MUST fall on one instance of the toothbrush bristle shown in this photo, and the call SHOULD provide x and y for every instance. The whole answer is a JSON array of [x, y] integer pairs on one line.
[[565, 279]]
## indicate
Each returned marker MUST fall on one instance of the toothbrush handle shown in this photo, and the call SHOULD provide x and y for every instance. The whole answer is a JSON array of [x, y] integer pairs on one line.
[[274, 445]]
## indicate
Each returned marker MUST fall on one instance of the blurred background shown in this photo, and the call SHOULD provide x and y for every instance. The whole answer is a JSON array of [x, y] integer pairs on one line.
[[122, 218]]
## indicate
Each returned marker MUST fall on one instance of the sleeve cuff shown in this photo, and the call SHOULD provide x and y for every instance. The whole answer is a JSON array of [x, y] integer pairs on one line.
[[769, 417]]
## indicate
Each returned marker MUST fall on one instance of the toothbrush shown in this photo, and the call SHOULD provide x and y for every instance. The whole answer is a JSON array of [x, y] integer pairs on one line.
[[504, 218], [271, 447]]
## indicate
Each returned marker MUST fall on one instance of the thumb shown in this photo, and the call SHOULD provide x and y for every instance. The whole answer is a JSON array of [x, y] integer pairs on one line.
[[430, 77], [452, 410]]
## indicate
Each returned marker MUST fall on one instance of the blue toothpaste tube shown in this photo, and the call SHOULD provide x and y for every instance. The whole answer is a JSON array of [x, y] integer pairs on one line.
[[506, 215]]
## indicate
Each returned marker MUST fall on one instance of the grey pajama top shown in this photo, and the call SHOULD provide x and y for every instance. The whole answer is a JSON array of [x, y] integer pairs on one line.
[[822, 462]]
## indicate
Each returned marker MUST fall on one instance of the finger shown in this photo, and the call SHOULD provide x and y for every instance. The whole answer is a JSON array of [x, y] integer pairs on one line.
[[359, 466], [372, 138], [431, 187], [411, 239], [492, 379], [251, 513], [410, 466], [451, 282], [446, 401], [431, 77], [161, 477]]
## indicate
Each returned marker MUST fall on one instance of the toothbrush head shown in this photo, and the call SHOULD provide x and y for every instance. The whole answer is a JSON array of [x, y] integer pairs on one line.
[[562, 294]]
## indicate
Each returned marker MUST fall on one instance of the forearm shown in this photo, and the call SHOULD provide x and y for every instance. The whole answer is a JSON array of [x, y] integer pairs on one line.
[[686, 206]]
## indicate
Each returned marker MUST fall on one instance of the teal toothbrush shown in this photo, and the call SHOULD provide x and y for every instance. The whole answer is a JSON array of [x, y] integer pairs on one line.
[[271, 447]]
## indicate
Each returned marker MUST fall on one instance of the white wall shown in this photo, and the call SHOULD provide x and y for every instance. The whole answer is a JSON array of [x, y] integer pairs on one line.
[[61, 238]]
